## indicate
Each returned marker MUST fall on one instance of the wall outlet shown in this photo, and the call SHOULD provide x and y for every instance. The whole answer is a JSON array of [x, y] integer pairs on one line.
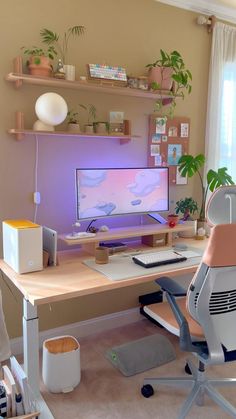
[[37, 198]]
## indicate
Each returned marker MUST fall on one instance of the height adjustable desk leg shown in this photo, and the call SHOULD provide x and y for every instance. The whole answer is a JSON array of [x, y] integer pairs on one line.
[[31, 356]]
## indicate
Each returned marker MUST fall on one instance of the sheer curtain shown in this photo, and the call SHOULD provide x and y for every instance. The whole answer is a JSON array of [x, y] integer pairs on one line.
[[221, 114]]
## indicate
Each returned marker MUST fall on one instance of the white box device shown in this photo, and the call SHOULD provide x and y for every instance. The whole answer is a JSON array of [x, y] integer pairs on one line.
[[23, 245]]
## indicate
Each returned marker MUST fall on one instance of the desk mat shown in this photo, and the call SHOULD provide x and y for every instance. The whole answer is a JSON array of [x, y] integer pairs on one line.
[[122, 266]]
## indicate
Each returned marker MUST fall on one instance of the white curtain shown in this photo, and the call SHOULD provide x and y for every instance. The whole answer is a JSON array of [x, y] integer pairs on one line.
[[220, 148]]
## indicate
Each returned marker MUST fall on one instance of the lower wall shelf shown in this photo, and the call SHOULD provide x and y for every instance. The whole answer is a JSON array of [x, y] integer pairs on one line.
[[20, 132]]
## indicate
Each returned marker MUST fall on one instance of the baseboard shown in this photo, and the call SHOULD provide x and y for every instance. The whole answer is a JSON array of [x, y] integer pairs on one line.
[[83, 328]]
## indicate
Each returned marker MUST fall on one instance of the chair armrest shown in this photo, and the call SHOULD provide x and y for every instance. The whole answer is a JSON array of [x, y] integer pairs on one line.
[[185, 341], [170, 286]]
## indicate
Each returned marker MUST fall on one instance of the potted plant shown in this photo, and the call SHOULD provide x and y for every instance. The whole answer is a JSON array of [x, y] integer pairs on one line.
[[52, 38], [101, 127], [187, 207], [91, 116], [169, 72], [190, 165], [73, 121], [39, 61]]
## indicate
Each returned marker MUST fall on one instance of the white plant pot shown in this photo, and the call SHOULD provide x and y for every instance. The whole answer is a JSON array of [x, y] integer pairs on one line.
[[88, 129], [189, 233], [74, 127], [101, 128], [69, 72]]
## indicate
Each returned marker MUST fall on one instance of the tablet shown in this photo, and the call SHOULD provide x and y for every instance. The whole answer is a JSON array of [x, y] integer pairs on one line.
[[50, 244]]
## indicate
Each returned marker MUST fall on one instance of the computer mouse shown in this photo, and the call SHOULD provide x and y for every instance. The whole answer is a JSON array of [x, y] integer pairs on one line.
[[180, 246]]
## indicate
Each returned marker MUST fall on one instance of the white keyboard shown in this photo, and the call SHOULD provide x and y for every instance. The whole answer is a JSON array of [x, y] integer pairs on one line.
[[80, 235], [149, 260]]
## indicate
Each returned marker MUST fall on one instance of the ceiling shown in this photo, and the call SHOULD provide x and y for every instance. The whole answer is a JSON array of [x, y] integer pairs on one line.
[[222, 9]]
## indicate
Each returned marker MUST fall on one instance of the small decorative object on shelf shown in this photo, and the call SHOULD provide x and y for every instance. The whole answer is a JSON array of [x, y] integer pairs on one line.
[[116, 124], [60, 73], [69, 72], [132, 82], [143, 82]]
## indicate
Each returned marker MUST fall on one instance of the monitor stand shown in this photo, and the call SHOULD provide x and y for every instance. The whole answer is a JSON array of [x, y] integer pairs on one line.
[[157, 217]]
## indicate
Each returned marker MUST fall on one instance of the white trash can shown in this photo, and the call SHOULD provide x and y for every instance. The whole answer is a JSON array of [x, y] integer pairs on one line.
[[61, 364]]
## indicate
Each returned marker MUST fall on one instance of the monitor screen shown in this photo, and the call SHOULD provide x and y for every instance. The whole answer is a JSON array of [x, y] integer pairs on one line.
[[108, 192]]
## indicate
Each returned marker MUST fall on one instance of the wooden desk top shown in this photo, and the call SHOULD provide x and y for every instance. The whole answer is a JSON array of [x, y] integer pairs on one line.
[[71, 278]]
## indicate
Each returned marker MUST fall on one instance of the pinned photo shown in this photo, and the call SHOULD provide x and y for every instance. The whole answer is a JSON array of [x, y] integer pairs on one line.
[[155, 149], [156, 138], [158, 160], [180, 180], [173, 132], [164, 138], [160, 125], [184, 129], [174, 154]]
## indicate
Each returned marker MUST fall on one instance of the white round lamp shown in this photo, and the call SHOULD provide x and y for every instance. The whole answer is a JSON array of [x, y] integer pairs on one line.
[[51, 109]]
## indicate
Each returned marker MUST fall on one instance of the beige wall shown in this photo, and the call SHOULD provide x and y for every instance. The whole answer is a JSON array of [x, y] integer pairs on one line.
[[129, 33]]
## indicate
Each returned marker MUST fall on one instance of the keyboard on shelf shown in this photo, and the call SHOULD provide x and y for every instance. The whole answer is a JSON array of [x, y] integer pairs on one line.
[[149, 260]]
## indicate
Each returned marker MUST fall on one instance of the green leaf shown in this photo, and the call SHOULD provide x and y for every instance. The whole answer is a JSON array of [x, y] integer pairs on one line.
[[219, 178], [48, 36], [189, 165]]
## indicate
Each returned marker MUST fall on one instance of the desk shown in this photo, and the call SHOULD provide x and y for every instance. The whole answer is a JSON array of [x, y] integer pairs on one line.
[[70, 279]]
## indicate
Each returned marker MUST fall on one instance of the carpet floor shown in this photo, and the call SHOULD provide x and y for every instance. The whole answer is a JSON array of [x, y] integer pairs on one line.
[[104, 393]]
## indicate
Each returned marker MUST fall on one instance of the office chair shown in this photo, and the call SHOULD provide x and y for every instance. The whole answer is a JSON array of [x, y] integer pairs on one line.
[[204, 318]]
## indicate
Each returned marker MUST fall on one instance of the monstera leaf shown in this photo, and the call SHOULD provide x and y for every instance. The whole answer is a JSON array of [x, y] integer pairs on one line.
[[189, 165], [219, 178]]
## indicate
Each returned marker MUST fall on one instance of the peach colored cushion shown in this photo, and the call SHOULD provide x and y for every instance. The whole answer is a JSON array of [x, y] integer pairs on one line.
[[163, 310], [221, 248]]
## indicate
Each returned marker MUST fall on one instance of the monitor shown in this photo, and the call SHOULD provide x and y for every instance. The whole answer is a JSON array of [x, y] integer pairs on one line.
[[123, 191]]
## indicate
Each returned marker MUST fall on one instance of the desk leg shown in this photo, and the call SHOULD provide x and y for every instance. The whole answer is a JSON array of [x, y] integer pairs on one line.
[[31, 356]]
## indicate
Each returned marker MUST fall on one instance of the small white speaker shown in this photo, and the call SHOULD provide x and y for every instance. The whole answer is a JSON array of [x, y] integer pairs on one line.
[[22, 245]]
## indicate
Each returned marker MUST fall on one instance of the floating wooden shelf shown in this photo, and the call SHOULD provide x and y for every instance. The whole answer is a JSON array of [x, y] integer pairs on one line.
[[21, 132], [86, 85]]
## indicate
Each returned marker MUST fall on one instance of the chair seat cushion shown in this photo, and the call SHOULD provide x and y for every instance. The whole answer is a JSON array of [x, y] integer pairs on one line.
[[163, 314]]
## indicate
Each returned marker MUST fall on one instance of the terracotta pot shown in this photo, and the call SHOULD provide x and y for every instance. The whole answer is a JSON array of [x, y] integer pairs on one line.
[[40, 66], [162, 76]]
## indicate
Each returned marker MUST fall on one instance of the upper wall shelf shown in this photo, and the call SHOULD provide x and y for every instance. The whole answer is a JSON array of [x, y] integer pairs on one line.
[[19, 79]]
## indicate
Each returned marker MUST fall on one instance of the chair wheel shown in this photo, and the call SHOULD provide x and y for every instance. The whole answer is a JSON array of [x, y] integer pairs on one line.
[[147, 391], [187, 369]]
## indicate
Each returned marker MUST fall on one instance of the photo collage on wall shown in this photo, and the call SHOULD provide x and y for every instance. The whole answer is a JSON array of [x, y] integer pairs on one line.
[[168, 140]]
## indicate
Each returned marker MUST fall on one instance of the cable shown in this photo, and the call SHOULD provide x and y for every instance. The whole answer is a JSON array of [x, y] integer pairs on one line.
[[36, 174]]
